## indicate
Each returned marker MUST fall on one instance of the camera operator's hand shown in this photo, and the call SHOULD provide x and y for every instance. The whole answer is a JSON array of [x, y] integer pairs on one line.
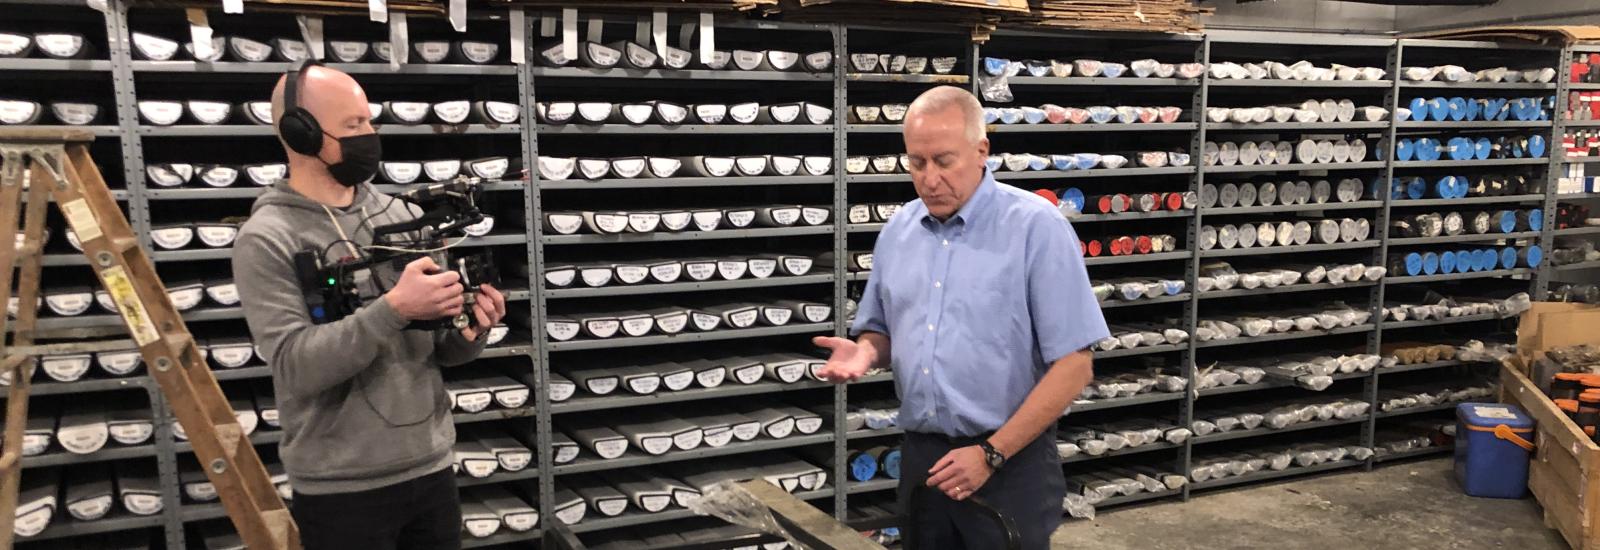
[[426, 292], [488, 310]]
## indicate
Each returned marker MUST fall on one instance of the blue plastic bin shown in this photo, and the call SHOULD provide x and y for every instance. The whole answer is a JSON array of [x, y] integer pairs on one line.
[[1490, 460]]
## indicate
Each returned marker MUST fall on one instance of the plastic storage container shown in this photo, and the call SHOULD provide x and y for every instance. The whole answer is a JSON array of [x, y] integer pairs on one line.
[[1492, 445]]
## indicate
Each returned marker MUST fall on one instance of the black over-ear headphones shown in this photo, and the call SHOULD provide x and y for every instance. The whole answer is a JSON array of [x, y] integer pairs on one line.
[[299, 129]]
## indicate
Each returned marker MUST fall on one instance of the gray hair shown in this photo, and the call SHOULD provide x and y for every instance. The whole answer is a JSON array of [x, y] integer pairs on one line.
[[944, 97]]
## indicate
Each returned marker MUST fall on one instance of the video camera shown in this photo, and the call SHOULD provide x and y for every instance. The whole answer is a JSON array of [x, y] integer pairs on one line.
[[448, 208]]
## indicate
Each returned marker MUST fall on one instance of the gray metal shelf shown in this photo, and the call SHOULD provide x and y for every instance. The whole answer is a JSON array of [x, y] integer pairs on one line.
[[1275, 83], [86, 385], [669, 74], [279, 67], [499, 476], [1217, 211], [1591, 230], [1280, 336], [64, 525], [1101, 81], [192, 255], [674, 183], [97, 130], [1413, 453], [1580, 160], [1113, 304], [1404, 279], [1592, 264], [200, 193], [1470, 124], [492, 415], [241, 130], [1263, 431], [1469, 163], [1120, 402], [26, 64], [1579, 196], [1259, 477], [908, 78], [52, 260], [1296, 126], [1137, 258], [872, 485], [1268, 250], [1467, 200], [1401, 241], [1478, 85], [585, 402], [1283, 289], [1424, 366], [634, 290], [1125, 451], [728, 334], [1124, 172], [1045, 128], [859, 276], [107, 320], [1123, 500], [1131, 216], [863, 227], [112, 451], [1387, 325], [635, 458], [1581, 123], [1239, 169], [260, 437], [721, 129], [243, 373], [865, 433], [688, 235], [878, 178], [1423, 409]]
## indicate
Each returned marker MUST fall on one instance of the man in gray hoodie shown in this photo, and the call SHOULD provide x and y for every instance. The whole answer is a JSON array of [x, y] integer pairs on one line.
[[367, 429]]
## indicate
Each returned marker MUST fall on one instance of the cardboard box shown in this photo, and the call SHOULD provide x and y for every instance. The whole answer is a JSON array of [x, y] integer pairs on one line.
[[1550, 325]]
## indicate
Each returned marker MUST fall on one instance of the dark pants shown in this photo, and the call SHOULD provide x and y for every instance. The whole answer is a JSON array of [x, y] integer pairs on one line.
[[1029, 490], [420, 514]]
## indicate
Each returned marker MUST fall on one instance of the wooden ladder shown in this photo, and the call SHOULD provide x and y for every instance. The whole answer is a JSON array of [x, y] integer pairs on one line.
[[55, 165]]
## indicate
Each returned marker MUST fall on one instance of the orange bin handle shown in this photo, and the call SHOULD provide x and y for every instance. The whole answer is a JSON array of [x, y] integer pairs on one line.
[[1503, 431]]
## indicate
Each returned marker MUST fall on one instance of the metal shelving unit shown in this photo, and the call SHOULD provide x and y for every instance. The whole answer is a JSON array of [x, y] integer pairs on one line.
[[541, 417]]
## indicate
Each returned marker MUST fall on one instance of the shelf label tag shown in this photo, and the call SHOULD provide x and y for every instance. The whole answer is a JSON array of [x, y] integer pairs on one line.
[[641, 30], [233, 6], [200, 33], [569, 33], [458, 15], [708, 37], [596, 30], [378, 11], [519, 54], [311, 31], [399, 41], [658, 32]]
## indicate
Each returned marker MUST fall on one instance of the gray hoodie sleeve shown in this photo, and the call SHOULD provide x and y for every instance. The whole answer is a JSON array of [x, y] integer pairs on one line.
[[306, 358], [450, 348]]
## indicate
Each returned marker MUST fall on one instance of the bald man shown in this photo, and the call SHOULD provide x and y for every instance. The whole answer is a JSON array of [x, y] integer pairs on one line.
[[981, 289], [367, 432]]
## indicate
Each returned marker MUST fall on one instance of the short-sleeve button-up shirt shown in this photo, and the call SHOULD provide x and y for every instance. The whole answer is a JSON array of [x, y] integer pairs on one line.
[[977, 307]]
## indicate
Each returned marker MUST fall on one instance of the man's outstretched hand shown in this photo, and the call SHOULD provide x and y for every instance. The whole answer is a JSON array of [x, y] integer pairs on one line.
[[847, 363]]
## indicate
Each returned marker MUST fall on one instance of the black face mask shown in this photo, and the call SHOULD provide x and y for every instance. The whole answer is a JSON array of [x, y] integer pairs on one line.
[[360, 163]]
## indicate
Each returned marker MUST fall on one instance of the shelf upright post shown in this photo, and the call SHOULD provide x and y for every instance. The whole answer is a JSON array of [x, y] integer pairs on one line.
[[1558, 154], [539, 352], [127, 109], [841, 207], [1191, 276], [1396, 54]]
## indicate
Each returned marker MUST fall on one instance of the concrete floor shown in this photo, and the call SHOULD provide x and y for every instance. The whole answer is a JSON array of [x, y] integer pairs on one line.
[[1413, 505]]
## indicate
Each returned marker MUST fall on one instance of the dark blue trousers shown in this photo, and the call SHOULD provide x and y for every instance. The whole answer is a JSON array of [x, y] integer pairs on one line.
[[1029, 490]]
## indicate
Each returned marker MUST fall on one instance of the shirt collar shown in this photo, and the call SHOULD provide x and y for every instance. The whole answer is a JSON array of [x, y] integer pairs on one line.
[[975, 204]]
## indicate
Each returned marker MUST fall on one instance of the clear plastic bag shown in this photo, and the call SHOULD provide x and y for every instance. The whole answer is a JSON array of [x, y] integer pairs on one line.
[[731, 503], [997, 89]]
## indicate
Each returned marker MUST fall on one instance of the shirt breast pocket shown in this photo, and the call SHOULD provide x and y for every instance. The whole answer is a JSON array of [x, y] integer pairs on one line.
[[989, 298]]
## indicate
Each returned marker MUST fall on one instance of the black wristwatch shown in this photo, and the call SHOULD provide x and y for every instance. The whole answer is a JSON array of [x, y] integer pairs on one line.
[[992, 456]]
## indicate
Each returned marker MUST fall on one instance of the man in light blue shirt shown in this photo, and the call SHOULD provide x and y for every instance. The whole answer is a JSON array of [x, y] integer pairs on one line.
[[981, 288]]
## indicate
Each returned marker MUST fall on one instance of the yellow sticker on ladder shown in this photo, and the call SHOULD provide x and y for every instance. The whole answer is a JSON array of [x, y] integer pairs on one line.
[[132, 309], [82, 219]]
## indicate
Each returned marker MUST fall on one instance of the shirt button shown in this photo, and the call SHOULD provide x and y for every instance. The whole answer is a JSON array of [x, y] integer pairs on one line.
[[947, 242], [924, 371], [937, 284], [930, 327]]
